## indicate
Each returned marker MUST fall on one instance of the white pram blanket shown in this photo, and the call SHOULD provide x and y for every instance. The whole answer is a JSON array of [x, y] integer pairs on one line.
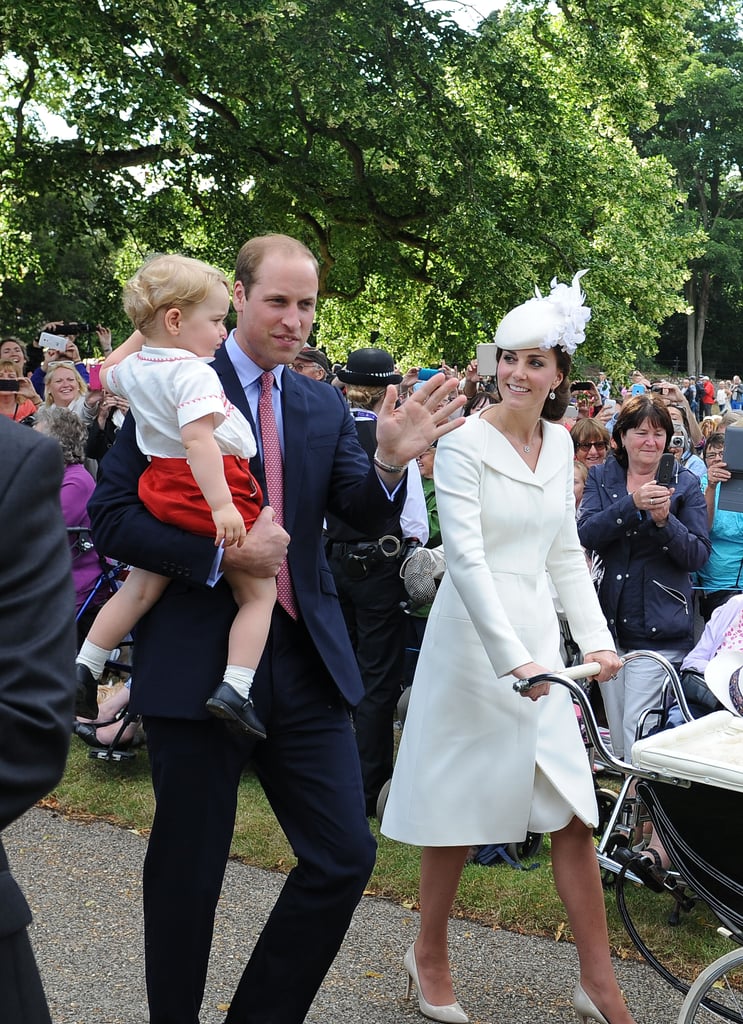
[[708, 750]]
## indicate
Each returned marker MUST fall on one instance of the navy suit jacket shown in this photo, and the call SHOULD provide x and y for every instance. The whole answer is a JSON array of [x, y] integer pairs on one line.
[[181, 644], [37, 648]]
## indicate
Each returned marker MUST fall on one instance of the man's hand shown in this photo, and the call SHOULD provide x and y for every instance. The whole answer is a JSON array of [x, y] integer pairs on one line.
[[406, 431], [263, 550]]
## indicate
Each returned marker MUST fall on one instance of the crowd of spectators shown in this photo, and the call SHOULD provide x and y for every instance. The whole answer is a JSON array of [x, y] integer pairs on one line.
[[42, 383]]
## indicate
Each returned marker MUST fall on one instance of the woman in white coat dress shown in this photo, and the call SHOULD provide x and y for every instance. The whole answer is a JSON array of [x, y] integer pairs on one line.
[[478, 763]]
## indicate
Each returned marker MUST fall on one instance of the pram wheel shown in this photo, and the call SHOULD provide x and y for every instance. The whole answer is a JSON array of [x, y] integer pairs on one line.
[[721, 987], [530, 846], [382, 799], [402, 705]]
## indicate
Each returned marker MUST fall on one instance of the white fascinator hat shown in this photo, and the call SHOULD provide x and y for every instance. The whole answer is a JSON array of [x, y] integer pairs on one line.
[[559, 319], [724, 677]]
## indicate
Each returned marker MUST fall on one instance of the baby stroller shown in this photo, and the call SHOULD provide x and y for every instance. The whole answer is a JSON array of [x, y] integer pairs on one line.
[[107, 583], [690, 780]]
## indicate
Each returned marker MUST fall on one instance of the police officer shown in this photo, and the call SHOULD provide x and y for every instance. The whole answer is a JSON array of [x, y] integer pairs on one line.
[[367, 575]]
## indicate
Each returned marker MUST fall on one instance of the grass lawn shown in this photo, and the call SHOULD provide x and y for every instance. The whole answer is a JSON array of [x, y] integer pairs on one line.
[[520, 901]]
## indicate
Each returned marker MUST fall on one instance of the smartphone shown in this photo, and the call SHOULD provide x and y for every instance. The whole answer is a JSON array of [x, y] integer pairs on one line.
[[638, 389], [55, 341], [9, 384], [94, 377], [666, 469]]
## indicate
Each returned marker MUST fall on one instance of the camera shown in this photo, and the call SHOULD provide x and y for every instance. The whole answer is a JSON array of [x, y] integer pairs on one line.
[[487, 362], [9, 384], [73, 328], [677, 441]]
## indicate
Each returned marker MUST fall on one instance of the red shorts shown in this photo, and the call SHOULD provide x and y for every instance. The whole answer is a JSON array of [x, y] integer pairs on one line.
[[168, 490]]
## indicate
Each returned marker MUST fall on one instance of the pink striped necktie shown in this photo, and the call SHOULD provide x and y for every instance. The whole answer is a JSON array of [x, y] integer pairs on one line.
[[273, 468]]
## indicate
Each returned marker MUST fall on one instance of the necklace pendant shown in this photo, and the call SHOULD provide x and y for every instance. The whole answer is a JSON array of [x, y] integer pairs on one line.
[[527, 448]]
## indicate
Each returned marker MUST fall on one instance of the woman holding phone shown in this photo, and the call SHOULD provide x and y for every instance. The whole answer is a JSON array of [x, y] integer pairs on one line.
[[646, 522], [15, 393]]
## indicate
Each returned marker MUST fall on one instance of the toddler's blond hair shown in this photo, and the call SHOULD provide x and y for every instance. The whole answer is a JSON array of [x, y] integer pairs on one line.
[[167, 282]]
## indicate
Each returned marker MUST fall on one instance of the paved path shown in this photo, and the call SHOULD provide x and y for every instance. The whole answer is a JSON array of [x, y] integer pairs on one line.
[[83, 881]]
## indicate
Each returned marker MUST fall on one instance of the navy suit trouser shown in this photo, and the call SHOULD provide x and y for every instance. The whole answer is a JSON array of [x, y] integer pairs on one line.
[[376, 627], [309, 770]]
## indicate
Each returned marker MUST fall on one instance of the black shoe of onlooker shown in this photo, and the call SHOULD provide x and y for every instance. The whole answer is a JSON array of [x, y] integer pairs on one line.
[[645, 866], [86, 696]]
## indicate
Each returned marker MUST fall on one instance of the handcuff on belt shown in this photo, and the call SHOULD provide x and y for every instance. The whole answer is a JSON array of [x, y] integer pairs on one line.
[[356, 557]]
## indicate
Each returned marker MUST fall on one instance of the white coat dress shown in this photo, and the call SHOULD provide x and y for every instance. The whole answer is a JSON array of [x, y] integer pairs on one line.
[[478, 763]]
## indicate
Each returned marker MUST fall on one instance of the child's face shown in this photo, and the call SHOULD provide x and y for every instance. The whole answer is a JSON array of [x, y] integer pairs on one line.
[[202, 328]]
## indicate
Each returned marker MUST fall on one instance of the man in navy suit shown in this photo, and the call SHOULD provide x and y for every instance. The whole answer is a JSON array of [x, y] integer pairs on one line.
[[37, 678], [307, 679]]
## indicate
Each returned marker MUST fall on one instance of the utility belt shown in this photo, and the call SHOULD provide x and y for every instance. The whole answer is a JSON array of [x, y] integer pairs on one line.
[[357, 557]]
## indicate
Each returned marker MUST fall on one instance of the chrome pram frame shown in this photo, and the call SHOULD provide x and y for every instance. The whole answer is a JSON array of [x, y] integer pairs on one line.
[[669, 801]]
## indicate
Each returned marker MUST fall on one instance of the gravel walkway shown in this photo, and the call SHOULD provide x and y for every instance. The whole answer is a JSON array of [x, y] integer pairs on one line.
[[83, 882]]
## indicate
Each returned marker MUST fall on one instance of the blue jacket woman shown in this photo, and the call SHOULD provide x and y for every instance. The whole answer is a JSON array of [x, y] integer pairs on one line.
[[647, 539]]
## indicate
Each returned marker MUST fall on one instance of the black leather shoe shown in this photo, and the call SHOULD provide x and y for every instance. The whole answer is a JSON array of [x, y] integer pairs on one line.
[[227, 703], [86, 696], [88, 733]]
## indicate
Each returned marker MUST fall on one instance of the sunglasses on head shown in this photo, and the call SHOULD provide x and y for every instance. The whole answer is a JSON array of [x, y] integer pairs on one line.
[[586, 446]]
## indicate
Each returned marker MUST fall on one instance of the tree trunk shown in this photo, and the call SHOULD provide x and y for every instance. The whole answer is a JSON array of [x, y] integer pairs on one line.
[[691, 363], [702, 309]]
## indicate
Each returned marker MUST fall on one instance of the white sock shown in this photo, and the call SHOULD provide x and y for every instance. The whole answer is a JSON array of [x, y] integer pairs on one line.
[[93, 657], [240, 679]]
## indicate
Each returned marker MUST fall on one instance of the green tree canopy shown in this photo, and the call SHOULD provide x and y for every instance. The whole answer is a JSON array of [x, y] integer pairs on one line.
[[701, 135], [437, 174]]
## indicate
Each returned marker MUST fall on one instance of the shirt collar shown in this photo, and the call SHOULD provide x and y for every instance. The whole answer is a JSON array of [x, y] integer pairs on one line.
[[247, 371]]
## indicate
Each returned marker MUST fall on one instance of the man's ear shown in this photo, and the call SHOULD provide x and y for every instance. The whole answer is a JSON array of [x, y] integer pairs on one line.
[[238, 296]]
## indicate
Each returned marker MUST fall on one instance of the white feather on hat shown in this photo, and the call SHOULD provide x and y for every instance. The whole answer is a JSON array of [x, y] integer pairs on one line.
[[559, 318]]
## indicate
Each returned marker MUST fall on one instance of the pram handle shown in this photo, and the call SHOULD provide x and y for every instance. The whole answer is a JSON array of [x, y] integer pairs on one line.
[[591, 668], [566, 677], [580, 696]]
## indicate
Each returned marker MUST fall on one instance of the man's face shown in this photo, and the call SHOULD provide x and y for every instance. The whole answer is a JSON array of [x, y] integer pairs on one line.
[[274, 321], [308, 369]]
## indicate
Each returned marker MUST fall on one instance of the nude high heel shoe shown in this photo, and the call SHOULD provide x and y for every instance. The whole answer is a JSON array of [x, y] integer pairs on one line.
[[450, 1014], [584, 1007]]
